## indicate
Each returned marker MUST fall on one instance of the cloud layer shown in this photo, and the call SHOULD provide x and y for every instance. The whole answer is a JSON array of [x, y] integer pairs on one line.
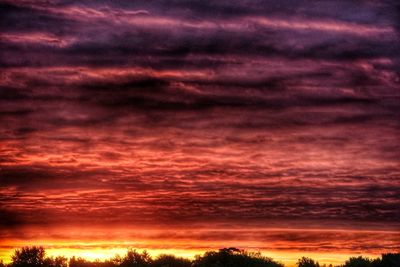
[[169, 113]]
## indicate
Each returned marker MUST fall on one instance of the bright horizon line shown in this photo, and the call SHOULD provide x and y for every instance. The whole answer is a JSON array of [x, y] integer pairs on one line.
[[289, 259], [98, 243]]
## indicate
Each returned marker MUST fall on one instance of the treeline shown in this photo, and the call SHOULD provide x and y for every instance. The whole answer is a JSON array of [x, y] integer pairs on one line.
[[227, 257]]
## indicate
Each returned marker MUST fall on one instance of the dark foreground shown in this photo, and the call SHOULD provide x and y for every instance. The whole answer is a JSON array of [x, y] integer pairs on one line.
[[227, 257]]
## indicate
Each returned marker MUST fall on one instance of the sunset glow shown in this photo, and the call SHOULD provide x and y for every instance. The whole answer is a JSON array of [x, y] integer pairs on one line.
[[186, 126]]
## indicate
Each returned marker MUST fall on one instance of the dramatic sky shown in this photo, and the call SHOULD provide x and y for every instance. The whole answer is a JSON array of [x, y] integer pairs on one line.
[[181, 126]]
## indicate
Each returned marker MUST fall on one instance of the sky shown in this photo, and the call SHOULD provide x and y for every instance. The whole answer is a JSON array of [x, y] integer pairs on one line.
[[184, 126]]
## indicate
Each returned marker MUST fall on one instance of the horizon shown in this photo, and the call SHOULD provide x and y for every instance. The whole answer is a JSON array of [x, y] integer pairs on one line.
[[103, 258], [98, 247], [188, 126]]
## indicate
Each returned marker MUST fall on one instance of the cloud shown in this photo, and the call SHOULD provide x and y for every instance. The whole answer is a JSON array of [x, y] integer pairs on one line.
[[204, 113]]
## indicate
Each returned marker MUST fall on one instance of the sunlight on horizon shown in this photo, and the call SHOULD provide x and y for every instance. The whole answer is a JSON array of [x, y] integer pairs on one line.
[[105, 253]]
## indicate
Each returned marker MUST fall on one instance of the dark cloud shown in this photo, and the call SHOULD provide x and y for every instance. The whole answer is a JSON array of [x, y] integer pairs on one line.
[[22, 19]]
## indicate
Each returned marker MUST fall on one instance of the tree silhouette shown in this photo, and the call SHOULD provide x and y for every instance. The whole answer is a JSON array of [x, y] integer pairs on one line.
[[358, 262], [35, 257], [233, 257], [390, 259], [227, 257], [136, 259], [307, 262], [170, 261], [79, 262], [29, 256], [59, 261]]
